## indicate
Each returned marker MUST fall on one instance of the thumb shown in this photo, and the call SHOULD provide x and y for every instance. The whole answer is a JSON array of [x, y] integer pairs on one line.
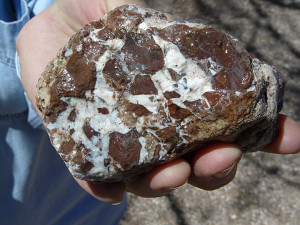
[[111, 4], [77, 13]]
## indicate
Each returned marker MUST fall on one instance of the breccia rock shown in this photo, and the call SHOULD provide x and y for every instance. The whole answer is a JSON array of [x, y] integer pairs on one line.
[[132, 90]]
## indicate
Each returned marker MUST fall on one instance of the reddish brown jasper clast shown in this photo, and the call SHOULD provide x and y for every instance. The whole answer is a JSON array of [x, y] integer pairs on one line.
[[139, 110], [125, 148]]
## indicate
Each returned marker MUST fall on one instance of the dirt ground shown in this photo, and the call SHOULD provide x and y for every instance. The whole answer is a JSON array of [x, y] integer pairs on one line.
[[266, 189]]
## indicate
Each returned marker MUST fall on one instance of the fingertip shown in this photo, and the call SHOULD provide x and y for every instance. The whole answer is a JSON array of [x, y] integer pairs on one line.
[[161, 180], [170, 175], [169, 17], [112, 193], [112, 4], [214, 166], [215, 158], [288, 138], [214, 182]]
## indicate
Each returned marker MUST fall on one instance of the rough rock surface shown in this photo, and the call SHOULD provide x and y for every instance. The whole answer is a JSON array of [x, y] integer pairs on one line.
[[132, 90], [266, 189]]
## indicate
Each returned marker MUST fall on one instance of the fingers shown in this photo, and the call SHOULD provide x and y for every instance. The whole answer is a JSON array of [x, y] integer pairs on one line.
[[159, 182], [111, 192], [162, 180], [211, 167], [214, 166], [288, 139]]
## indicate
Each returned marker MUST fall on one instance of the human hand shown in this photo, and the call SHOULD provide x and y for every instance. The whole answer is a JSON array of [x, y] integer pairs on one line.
[[208, 168]]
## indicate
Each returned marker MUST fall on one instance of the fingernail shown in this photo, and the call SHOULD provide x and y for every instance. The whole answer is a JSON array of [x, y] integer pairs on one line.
[[168, 190], [226, 172], [111, 201], [118, 203]]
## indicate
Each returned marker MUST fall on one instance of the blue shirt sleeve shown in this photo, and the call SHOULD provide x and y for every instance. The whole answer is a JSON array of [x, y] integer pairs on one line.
[[33, 8], [35, 187], [13, 16]]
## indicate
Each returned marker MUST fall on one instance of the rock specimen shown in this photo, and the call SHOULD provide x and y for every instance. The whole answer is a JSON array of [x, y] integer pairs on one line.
[[132, 90]]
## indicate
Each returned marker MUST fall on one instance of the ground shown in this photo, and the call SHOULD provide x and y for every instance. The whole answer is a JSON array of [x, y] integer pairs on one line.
[[266, 189]]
